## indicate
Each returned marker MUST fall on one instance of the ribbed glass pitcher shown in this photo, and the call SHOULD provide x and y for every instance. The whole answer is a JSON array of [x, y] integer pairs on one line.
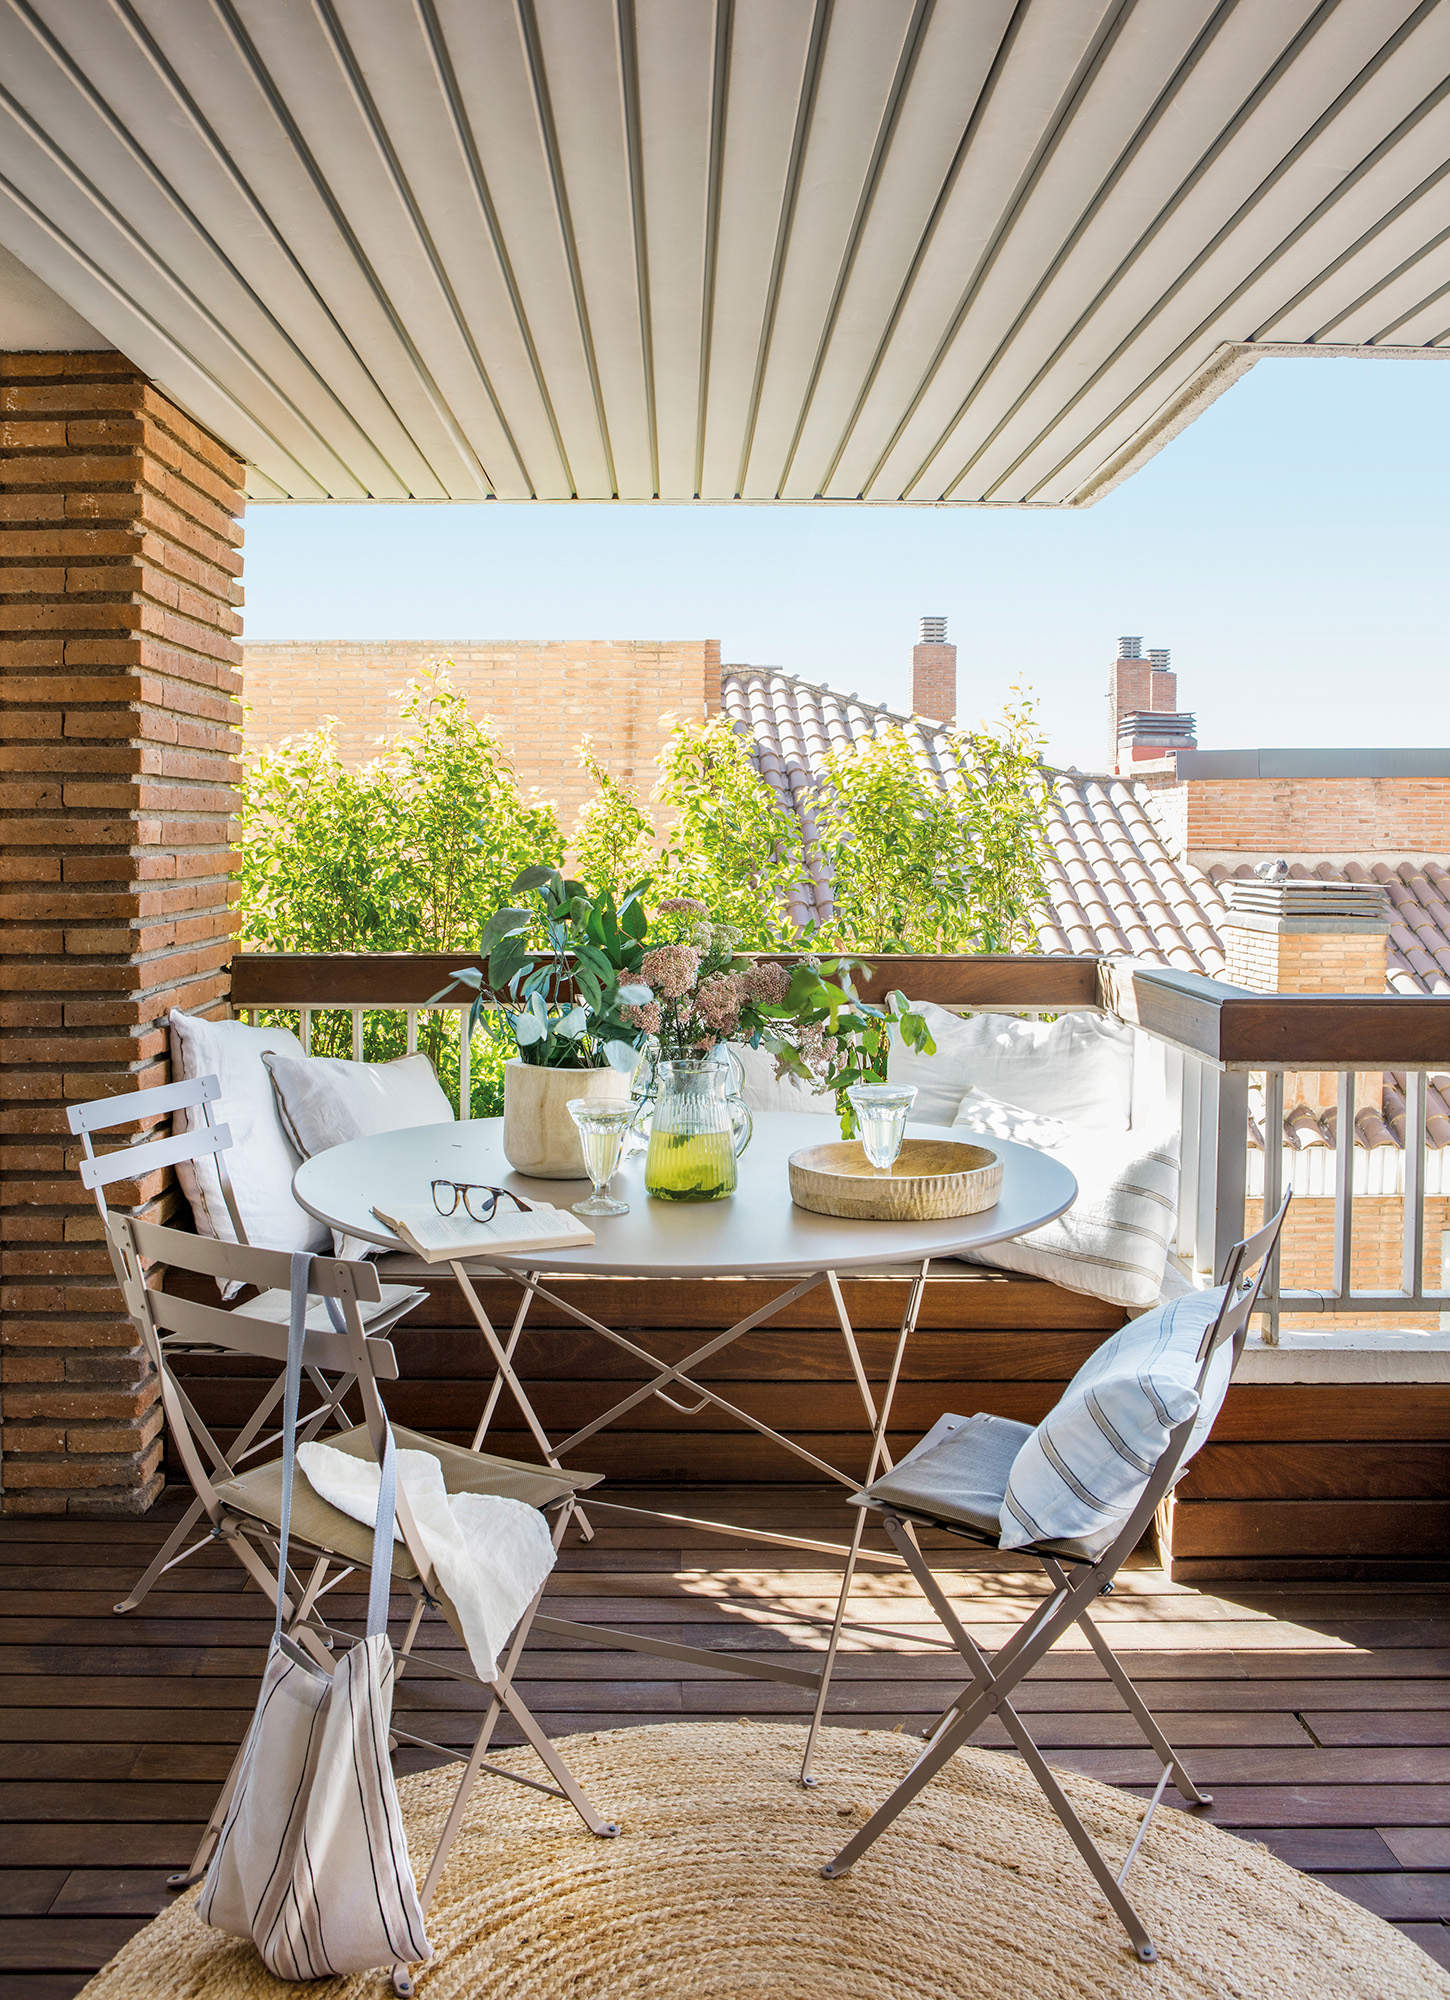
[[699, 1128]]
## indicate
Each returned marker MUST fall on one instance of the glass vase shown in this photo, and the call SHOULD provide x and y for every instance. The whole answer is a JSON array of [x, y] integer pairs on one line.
[[698, 1130]]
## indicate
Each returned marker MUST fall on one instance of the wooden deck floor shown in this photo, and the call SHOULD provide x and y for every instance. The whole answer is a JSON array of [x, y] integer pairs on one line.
[[1318, 1713]]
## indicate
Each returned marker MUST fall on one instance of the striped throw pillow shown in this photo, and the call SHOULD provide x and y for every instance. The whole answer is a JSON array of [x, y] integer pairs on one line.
[[1083, 1470], [1113, 1241]]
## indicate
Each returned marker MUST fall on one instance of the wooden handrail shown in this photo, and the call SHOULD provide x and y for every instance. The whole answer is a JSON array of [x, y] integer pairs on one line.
[[409, 978], [1245, 1030], [1225, 1024]]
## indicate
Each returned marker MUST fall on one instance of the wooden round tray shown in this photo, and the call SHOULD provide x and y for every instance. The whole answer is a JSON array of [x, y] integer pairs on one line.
[[933, 1179]]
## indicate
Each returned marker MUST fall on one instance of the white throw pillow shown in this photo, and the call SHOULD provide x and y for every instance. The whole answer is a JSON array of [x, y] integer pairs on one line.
[[325, 1100], [261, 1161], [762, 1090], [1078, 1068], [1083, 1470], [1113, 1242]]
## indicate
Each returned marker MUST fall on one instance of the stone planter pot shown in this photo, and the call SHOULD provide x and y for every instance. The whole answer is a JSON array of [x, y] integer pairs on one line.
[[539, 1136]]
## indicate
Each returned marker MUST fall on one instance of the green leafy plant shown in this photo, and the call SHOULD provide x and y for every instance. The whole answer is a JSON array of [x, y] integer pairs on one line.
[[918, 868], [828, 1035], [614, 840], [565, 1003], [731, 846]]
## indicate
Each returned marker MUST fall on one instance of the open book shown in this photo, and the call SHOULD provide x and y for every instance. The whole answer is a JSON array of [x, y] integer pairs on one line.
[[440, 1239]]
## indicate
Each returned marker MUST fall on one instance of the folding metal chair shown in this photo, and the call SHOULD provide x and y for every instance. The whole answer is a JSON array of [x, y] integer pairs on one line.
[[1076, 1576], [244, 1509], [146, 1154]]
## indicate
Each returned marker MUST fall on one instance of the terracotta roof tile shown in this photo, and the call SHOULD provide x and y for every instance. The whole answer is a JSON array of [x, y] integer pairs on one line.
[[1114, 880]]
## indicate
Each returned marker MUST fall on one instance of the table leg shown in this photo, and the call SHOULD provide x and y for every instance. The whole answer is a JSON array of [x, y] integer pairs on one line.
[[503, 1362], [879, 1417]]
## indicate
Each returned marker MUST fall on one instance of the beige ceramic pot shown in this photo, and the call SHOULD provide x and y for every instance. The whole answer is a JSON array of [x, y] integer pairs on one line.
[[539, 1136]]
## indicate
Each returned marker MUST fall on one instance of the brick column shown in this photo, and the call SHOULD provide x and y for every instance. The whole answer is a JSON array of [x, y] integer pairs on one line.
[[119, 539]]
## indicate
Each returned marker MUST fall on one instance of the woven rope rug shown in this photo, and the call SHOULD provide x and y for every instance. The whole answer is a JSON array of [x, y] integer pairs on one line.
[[713, 1892]]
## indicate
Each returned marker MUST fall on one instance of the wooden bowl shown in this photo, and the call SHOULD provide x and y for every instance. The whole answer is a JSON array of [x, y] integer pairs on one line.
[[932, 1180]]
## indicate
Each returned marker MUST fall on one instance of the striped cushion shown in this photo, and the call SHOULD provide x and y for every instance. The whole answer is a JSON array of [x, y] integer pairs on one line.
[[1083, 1470], [1113, 1241]]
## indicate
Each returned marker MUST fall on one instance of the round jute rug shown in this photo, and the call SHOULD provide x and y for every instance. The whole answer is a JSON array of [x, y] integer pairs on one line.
[[713, 1891]]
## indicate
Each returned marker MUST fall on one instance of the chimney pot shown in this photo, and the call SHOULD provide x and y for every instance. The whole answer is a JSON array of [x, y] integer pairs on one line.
[[933, 631], [1130, 648], [1159, 658]]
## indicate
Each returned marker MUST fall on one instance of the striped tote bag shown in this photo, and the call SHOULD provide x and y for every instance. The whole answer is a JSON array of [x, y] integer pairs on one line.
[[312, 1863]]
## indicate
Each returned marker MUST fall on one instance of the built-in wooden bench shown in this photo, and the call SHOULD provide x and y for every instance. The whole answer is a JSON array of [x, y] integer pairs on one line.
[[1300, 1479]]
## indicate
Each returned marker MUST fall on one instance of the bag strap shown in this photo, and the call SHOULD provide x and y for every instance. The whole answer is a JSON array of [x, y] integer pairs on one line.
[[380, 1579], [291, 1391]]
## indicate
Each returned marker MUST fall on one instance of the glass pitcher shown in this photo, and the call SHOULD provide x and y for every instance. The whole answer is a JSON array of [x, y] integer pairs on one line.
[[699, 1127]]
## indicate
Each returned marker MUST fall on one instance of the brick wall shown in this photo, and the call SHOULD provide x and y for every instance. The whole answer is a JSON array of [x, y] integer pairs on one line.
[[119, 560], [543, 698], [1212, 817], [1307, 1260]]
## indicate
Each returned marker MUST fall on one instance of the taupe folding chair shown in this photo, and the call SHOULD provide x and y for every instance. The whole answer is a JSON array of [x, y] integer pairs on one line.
[[244, 1509], [962, 1500], [133, 1162]]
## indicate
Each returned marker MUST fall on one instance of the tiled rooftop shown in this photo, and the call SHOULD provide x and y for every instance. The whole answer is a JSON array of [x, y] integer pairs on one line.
[[1114, 880]]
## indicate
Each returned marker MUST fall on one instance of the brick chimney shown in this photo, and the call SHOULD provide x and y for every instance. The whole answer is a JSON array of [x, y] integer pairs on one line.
[[1299, 935], [934, 673], [1146, 723]]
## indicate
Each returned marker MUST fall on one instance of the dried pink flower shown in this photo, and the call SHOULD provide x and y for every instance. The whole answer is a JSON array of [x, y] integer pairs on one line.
[[645, 1017], [719, 999], [670, 969], [683, 906], [767, 982]]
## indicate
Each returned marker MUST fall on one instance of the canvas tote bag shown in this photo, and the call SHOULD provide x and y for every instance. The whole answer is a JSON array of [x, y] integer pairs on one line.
[[312, 1862]]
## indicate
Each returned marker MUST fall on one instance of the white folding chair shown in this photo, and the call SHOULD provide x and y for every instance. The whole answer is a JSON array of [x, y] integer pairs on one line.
[[244, 1509], [962, 1499], [147, 1153]]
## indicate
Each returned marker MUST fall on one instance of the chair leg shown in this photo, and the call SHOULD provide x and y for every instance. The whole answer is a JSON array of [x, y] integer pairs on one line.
[[985, 1695], [1142, 1714], [553, 1763], [211, 1832], [165, 1557]]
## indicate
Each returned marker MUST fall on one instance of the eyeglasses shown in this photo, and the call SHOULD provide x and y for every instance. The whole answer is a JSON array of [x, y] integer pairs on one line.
[[479, 1200]]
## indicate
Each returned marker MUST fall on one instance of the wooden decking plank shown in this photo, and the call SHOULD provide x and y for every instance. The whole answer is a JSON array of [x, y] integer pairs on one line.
[[1317, 1711]]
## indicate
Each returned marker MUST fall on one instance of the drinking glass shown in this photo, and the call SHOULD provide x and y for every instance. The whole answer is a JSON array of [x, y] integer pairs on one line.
[[882, 1110], [601, 1134]]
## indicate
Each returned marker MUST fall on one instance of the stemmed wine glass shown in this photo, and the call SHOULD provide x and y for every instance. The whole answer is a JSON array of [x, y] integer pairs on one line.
[[882, 1110], [601, 1129]]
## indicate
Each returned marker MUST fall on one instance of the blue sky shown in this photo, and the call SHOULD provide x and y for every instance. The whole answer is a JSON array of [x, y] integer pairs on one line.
[[1292, 547]]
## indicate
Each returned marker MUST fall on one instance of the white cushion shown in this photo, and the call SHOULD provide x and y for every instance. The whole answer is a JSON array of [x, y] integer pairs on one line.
[[1084, 1469], [1113, 1242], [1078, 1068], [325, 1100], [261, 1161], [762, 1090]]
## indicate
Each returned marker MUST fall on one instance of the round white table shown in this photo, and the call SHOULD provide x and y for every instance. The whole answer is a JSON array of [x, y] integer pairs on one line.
[[757, 1233]]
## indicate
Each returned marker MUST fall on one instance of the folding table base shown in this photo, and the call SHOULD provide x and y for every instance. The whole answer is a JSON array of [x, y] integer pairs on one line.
[[671, 1382]]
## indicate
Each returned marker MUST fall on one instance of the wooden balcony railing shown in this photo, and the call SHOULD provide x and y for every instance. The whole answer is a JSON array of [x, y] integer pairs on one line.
[[1215, 1041]]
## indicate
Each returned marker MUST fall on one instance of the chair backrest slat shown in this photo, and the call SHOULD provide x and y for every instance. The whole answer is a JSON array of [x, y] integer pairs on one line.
[[248, 1264], [105, 1114], [238, 1332], [148, 1156]]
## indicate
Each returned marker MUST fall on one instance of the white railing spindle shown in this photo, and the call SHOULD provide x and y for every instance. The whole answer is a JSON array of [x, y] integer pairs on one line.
[[1344, 1187], [1412, 1267]]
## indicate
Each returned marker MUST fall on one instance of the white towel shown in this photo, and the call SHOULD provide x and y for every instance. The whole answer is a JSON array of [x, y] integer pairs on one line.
[[491, 1554]]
